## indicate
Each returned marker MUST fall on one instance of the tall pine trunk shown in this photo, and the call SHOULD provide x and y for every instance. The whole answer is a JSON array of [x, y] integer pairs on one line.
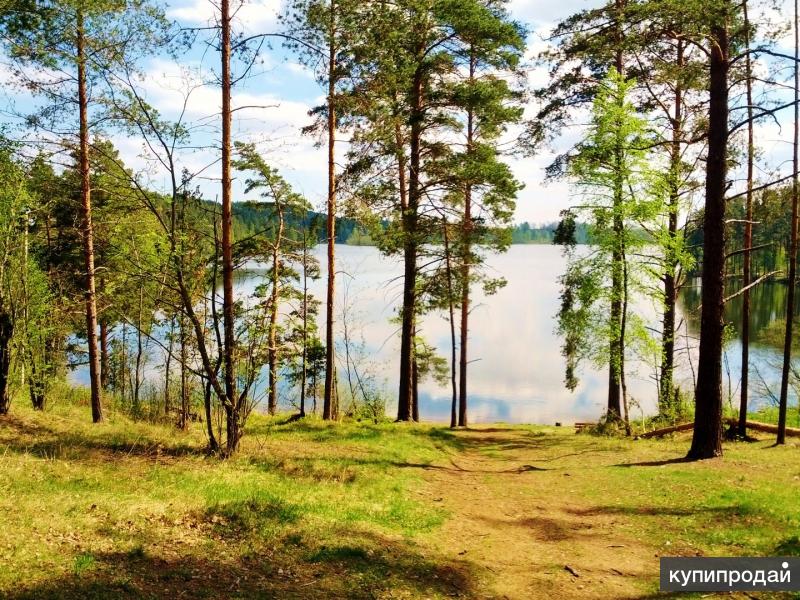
[[748, 236], [88, 231], [466, 259], [616, 348], [790, 297], [452, 319], [329, 407], [707, 436], [230, 401], [406, 387]]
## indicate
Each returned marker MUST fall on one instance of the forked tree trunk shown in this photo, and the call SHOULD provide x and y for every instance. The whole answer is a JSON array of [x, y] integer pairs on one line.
[[36, 387], [87, 229], [707, 437]]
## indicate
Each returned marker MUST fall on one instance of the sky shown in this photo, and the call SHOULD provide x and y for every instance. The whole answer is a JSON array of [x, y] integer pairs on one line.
[[273, 105]]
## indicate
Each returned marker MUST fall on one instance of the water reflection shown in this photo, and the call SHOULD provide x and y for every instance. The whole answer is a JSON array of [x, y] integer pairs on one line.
[[516, 374]]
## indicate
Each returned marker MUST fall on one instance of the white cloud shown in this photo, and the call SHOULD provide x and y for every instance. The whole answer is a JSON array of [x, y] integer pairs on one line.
[[252, 16]]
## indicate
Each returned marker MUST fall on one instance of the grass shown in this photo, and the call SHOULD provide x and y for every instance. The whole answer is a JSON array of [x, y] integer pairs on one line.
[[309, 509], [110, 502], [769, 414]]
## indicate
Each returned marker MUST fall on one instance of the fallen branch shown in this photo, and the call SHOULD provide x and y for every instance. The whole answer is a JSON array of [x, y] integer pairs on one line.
[[754, 425], [667, 430], [571, 571], [765, 427], [752, 285]]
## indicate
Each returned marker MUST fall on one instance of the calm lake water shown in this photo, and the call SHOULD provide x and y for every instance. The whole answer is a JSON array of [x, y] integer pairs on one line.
[[517, 371], [516, 374]]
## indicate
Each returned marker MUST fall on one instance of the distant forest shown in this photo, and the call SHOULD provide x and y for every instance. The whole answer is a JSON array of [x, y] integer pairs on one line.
[[250, 218]]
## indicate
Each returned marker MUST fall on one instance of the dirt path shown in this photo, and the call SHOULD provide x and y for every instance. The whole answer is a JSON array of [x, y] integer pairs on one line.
[[518, 519]]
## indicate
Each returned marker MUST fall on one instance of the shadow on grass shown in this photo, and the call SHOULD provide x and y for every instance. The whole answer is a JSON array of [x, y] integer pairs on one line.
[[255, 516], [347, 469], [44, 442], [658, 463], [545, 529], [788, 547], [511, 439], [366, 566], [661, 511]]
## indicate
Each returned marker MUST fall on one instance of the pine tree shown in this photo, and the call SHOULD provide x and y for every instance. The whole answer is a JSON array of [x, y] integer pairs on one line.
[[86, 40]]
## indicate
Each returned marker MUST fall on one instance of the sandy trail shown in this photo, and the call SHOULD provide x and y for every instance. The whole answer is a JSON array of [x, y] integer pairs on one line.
[[517, 519]]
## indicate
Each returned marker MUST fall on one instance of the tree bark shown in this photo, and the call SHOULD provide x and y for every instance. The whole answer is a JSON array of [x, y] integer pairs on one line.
[[790, 297], [88, 231], [707, 438], [103, 354]]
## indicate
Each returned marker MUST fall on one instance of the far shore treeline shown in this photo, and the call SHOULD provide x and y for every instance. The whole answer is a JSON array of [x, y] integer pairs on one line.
[[251, 217]]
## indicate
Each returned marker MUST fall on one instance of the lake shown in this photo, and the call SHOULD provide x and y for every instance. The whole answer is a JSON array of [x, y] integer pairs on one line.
[[517, 371]]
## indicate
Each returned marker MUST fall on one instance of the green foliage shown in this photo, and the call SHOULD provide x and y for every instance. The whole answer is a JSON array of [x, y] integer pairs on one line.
[[610, 170], [43, 37]]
